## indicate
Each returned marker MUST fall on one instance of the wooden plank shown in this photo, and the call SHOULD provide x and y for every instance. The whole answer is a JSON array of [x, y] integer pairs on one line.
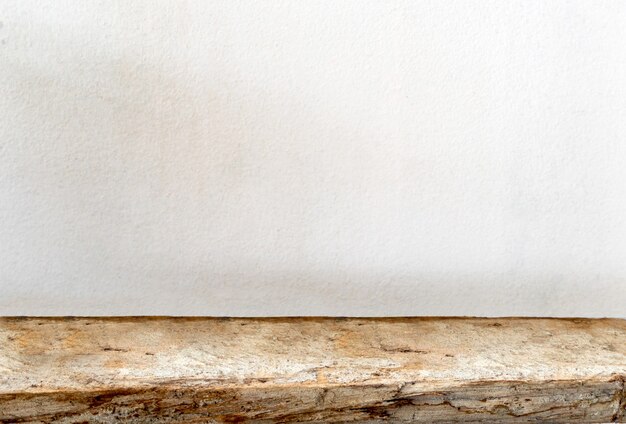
[[211, 370]]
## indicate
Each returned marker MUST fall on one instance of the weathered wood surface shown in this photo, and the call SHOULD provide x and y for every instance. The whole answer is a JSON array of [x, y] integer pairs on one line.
[[203, 370]]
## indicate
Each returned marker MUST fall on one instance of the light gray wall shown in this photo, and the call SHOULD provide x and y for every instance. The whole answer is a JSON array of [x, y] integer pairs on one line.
[[313, 157]]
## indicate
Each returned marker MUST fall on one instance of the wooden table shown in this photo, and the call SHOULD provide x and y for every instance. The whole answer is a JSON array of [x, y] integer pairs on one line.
[[225, 370]]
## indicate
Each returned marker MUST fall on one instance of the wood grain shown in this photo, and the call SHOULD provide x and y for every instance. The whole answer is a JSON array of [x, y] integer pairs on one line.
[[400, 370]]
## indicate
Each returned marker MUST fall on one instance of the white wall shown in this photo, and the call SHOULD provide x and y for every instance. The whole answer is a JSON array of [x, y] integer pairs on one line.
[[313, 157]]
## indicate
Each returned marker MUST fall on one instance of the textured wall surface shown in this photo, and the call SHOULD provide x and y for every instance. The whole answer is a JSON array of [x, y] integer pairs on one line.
[[287, 157]]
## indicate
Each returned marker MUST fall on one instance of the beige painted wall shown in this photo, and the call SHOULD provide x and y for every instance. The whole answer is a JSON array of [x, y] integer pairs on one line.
[[313, 157]]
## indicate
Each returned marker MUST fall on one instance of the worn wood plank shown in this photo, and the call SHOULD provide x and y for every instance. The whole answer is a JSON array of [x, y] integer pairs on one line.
[[204, 370]]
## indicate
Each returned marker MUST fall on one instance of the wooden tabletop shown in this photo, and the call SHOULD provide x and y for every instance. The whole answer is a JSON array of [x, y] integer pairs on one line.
[[398, 370]]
